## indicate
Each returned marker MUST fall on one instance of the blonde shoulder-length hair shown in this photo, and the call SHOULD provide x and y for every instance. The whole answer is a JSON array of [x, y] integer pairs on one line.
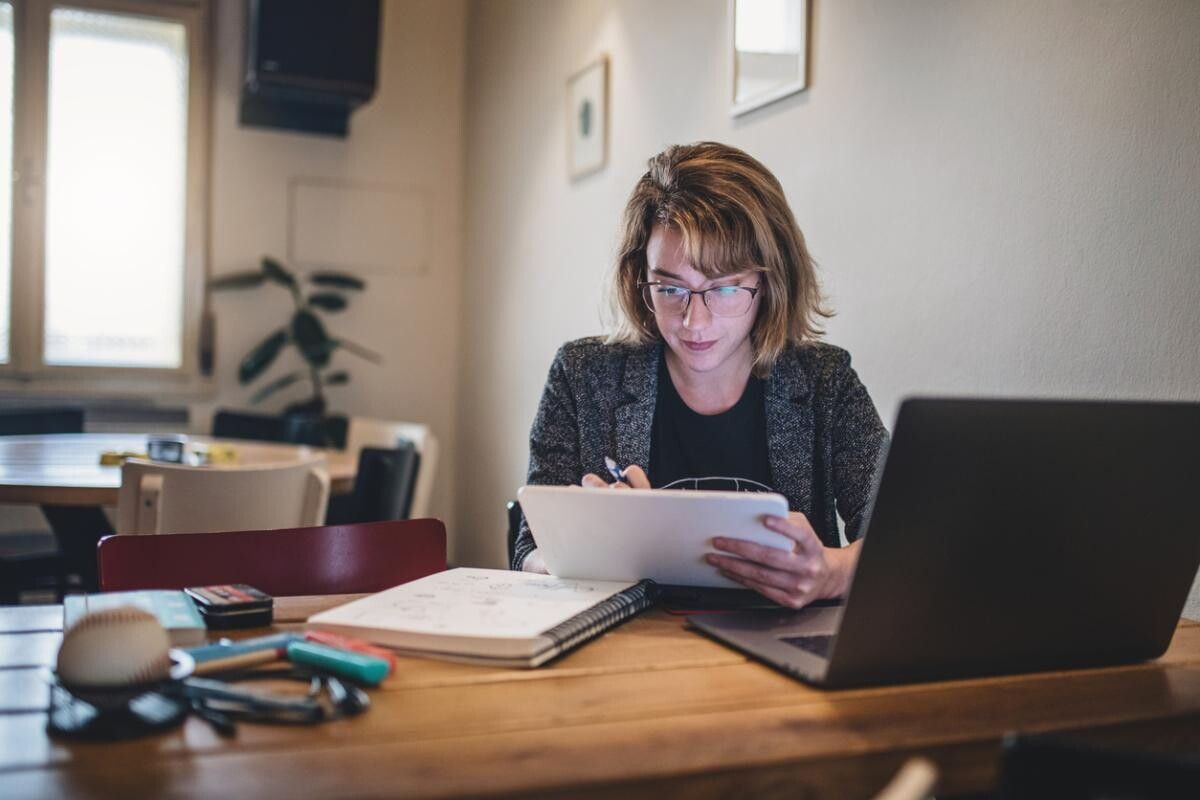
[[732, 216]]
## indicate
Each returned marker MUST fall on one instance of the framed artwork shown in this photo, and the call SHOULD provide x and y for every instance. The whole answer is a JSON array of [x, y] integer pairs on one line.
[[587, 119], [770, 51]]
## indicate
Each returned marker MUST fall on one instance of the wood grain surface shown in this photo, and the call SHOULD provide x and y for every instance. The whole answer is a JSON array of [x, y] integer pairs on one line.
[[649, 709]]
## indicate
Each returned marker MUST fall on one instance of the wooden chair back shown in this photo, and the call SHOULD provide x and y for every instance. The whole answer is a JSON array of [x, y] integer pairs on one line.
[[334, 559], [172, 498]]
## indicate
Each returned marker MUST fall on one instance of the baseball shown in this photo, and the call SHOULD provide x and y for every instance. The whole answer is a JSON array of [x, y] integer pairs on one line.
[[114, 647]]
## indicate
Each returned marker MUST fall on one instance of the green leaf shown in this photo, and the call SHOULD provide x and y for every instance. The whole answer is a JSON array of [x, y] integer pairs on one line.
[[277, 384], [237, 280], [340, 378], [327, 301], [338, 280], [261, 356], [275, 271], [309, 335]]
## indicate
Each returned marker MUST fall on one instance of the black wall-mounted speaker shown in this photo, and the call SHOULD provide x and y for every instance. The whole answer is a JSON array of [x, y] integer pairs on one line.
[[309, 63]]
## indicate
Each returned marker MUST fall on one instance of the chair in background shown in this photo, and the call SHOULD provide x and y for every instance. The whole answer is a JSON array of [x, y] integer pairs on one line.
[[384, 434], [34, 561], [383, 486], [33, 421], [514, 527], [238, 425], [29, 563], [333, 559], [315, 431], [291, 428], [173, 498]]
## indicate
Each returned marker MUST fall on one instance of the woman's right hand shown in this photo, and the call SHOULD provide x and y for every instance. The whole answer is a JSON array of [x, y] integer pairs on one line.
[[635, 477]]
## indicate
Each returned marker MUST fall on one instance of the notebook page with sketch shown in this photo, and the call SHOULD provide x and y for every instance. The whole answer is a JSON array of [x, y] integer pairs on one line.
[[489, 616]]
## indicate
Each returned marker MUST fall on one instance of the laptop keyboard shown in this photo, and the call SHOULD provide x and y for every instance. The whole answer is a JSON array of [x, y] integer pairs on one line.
[[817, 645]]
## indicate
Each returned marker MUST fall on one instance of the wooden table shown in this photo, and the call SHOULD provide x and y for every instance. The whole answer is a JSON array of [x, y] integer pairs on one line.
[[64, 469], [647, 710]]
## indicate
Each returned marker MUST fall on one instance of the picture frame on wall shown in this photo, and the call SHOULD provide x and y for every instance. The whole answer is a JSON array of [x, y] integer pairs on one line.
[[770, 51], [587, 119]]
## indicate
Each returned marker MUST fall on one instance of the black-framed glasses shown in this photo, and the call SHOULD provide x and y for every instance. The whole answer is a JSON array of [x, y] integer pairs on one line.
[[722, 301]]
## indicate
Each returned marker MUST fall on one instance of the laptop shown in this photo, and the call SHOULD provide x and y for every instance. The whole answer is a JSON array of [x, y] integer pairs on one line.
[[1005, 536]]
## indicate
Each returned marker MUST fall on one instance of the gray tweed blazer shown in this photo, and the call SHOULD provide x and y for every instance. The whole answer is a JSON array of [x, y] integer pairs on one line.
[[824, 436]]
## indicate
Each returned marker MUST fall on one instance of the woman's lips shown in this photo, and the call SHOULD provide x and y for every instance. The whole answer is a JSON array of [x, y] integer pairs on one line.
[[698, 347]]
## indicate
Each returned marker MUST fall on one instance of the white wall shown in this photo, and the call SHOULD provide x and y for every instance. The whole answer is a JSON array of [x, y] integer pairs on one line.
[[1003, 196], [411, 137]]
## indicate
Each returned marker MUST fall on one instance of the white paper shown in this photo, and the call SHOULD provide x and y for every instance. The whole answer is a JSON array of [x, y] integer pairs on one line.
[[482, 603]]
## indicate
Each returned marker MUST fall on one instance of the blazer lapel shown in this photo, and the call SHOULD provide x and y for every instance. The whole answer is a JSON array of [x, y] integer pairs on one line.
[[635, 411], [790, 431]]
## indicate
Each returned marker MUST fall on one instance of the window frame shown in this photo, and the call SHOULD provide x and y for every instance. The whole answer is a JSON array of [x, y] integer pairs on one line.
[[27, 369]]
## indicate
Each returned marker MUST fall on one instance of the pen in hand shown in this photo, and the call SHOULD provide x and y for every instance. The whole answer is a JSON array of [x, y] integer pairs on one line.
[[617, 473], [631, 477]]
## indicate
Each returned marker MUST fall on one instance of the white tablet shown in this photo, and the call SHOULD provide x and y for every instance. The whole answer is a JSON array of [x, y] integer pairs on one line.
[[663, 534]]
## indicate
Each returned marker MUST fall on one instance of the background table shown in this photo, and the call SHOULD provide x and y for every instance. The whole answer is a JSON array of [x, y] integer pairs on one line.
[[647, 710], [64, 469]]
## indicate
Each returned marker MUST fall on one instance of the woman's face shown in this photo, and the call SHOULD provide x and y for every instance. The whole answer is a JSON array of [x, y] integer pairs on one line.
[[698, 341]]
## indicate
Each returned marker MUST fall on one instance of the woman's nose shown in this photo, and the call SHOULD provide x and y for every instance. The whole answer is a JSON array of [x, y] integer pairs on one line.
[[697, 315]]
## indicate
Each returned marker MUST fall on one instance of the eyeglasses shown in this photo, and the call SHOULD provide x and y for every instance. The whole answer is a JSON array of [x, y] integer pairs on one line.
[[722, 301]]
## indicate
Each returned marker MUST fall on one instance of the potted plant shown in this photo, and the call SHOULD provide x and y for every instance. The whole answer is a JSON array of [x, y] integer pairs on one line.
[[305, 330]]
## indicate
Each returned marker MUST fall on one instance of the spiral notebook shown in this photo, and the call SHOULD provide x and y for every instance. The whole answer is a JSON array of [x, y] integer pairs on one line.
[[488, 616]]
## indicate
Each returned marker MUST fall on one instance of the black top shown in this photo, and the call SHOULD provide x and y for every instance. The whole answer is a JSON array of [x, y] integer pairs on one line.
[[725, 451]]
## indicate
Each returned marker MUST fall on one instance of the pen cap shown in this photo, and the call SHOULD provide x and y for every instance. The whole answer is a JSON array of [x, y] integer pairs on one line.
[[353, 666]]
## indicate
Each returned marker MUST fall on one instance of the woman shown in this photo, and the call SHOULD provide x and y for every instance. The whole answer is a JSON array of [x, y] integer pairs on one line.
[[716, 371]]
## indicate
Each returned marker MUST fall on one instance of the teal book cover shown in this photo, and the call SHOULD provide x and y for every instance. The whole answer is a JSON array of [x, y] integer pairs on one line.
[[174, 609]]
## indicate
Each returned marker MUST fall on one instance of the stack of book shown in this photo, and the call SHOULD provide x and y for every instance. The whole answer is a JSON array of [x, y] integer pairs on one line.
[[486, 616]]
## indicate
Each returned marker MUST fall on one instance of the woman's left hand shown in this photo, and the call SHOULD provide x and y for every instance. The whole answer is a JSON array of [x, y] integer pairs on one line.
[[809, 571]]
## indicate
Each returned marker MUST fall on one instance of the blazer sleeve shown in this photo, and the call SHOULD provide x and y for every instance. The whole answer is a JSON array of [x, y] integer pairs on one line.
[[553, 445], [859, 442]]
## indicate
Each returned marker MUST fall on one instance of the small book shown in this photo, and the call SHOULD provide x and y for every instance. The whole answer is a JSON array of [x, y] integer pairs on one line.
[[488, 616], [173, 608]]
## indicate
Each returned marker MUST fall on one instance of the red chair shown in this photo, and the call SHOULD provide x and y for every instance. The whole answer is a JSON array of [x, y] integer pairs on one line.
[[335, 559]]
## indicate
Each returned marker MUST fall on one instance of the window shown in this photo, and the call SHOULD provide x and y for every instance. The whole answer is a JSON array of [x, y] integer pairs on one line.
[[103, 127]]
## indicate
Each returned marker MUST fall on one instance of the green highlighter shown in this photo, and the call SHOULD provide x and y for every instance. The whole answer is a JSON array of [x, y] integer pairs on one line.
[[343, 663]]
